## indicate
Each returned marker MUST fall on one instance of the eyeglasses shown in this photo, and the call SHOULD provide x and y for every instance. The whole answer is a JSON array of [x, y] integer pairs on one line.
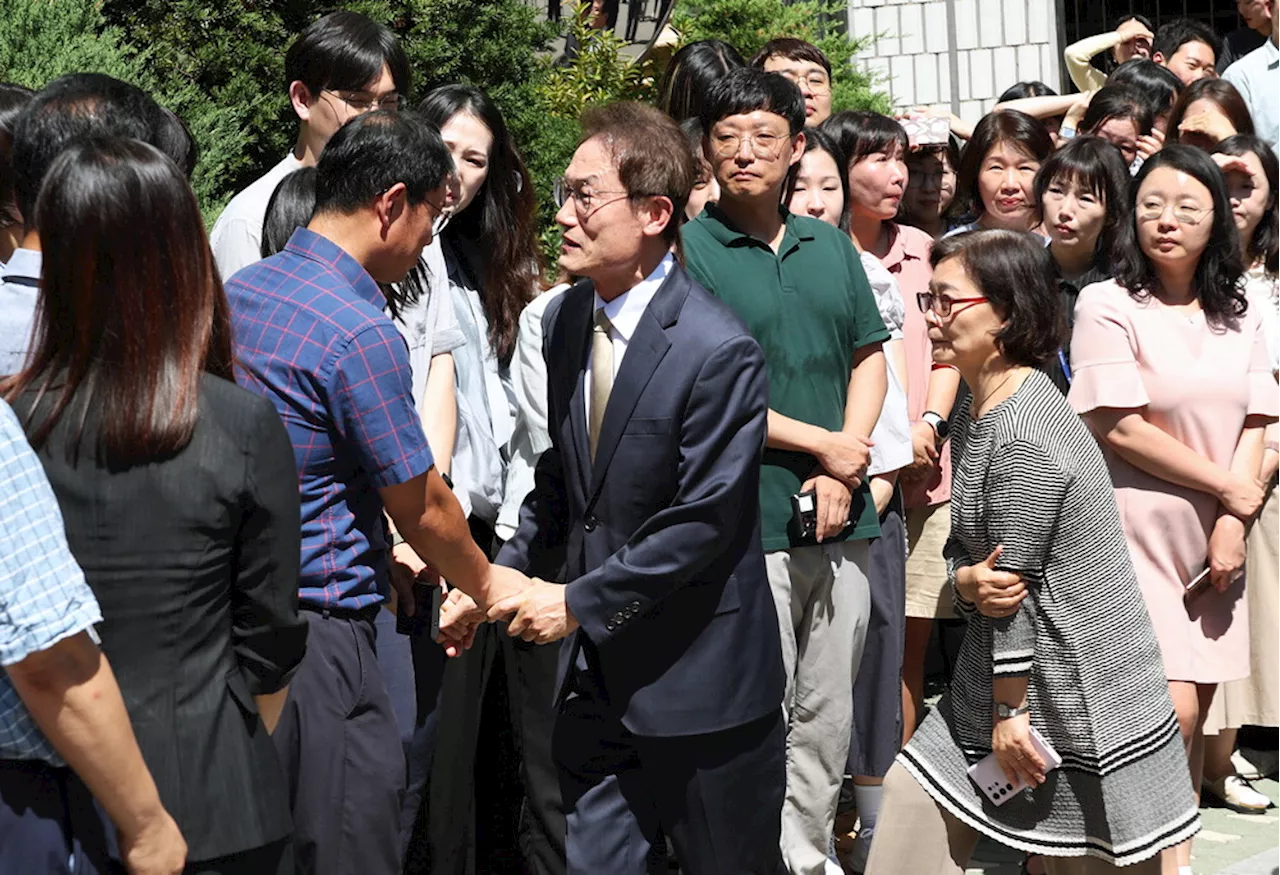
[[1183, 215], [363, 103], [764, 144], [940, 304], [818, 82], [442, 218], [585, 203]]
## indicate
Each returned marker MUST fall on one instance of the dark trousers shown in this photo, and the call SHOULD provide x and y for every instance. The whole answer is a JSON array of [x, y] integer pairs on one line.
[[50, 823], [273, 859], [341, 753], [492, 804], [413, 667], [717, 797]]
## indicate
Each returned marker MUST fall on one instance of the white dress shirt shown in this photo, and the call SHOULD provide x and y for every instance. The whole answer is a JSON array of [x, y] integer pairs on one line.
[[624, 313], [236, 238], [1254, 76]]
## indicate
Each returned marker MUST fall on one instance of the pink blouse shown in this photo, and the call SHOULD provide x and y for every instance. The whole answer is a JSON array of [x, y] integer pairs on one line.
[[908, 260]]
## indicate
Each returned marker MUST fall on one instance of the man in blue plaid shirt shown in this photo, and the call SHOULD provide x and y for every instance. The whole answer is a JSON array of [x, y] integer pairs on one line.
[[311, 336], [59, 702]]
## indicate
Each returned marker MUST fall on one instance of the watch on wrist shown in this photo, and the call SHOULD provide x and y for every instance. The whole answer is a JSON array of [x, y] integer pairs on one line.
[[1004, 712], [938, 423]]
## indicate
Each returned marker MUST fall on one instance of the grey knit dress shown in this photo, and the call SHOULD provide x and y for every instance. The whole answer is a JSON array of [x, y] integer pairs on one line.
[[1030, 476]]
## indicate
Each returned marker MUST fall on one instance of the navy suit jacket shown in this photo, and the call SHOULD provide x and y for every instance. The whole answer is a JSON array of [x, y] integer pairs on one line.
[[658, 541]]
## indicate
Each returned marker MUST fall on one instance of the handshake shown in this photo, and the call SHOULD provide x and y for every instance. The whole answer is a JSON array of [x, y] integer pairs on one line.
[[534, 609]]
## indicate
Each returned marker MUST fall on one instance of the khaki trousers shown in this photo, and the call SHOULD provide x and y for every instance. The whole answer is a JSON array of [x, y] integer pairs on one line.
[[914, 834]]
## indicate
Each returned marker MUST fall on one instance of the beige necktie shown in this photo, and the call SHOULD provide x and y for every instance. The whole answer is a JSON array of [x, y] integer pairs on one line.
[[601, 376]]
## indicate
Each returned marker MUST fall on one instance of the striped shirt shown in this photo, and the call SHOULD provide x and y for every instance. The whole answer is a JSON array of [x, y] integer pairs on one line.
[[1030, 477], [43, 594]]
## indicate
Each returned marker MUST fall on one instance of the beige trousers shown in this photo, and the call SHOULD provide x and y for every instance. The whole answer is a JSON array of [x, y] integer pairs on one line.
[[914, 834]]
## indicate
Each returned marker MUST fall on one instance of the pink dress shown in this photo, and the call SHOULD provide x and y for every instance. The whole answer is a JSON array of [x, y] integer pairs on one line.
[[908, 260], [1196, 384]]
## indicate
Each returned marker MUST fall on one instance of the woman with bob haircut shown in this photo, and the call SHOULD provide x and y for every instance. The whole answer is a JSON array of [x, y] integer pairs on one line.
[[1083, 194], [997, 170], [181, 504], [1207, 112], [1171, 375], [690, 74], [1251, 171], [1056, 622]]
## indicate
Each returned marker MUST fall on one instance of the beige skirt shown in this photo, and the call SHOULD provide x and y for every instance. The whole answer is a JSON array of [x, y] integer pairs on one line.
[[928, 595], [1255, 701]]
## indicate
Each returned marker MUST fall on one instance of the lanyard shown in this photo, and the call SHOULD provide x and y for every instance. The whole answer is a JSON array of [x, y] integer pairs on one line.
[[1066, 368]]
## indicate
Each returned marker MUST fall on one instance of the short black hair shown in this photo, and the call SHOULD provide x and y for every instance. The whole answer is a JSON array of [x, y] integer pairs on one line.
[[13, 99], [746, 90], [346, 51], [373, 152], [176, 142], [1014, 271], [860, 133], [72, 108], [290, 208], [1134, 16], [1117, 101], [1031, 88], [690, 74], [1094, 165], [1172, 35], [1221, 265], [793, 50], [1264, 248], [1158, 85]]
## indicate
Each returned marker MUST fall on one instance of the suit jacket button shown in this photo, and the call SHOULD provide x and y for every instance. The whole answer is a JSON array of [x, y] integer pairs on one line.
[[589, 523], [610, 626], [635, 606]]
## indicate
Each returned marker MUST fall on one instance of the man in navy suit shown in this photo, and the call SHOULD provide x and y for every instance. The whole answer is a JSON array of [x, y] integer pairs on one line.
[[669, 722]]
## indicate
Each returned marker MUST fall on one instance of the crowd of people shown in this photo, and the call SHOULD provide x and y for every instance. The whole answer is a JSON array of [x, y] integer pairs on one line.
[[333, 542]]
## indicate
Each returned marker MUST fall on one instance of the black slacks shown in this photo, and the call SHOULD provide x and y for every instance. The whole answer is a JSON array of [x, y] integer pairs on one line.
[[50, 823], [717, 797], [341, 753]]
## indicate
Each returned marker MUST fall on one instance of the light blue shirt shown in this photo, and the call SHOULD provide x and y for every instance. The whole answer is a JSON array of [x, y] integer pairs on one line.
[[19, 291], [43, 594], [1254, 76]]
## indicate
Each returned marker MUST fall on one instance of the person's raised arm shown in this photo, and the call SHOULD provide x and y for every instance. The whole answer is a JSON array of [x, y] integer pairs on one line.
[[1079, 54], [1045, 106], [74, 699]]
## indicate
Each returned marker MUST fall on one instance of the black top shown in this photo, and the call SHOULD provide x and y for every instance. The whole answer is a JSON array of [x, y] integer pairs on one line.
[[1236, 45], [194, 561], [1059, 367]]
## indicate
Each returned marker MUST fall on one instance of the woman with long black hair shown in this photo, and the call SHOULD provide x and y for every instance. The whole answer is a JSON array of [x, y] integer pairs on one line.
[[491, 258], [178, 489]]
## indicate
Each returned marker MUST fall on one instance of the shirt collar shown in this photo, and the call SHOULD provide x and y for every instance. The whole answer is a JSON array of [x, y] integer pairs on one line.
[[902, 246], [1272, 53], [308, 244], [23, 264], [624, 311], [723, 229]]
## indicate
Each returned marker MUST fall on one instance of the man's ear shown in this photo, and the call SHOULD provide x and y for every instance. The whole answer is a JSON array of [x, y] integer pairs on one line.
[[1160, 59], [390, 206], [658, 213], [797, 149], [302, 99]]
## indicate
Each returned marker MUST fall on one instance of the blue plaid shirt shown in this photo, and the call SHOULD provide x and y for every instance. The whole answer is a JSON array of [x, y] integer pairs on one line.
[[311, 337], [43, 594]]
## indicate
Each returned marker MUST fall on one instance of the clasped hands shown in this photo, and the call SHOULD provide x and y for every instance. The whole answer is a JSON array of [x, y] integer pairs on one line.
[[534, 610]]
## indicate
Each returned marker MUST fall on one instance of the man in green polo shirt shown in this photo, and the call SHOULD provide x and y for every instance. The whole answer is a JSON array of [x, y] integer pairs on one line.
[[799, 285]]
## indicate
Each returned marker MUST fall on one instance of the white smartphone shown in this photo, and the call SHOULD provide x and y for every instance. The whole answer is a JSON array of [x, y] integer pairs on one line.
[[1196, 585], [991, 779]]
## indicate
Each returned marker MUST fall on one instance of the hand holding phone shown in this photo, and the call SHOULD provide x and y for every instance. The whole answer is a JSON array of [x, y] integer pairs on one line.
[[993, 782], [1197, 585]]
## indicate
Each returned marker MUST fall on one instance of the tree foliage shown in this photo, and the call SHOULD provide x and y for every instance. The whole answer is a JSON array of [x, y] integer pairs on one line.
[[748, 24], [220, 65]]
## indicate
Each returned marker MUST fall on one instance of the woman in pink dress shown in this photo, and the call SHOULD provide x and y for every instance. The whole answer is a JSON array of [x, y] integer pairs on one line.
[[1171, 375]]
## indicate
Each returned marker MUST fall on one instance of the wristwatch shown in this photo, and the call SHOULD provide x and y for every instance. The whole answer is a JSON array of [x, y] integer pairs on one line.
[[1004, 712], [938, 423]]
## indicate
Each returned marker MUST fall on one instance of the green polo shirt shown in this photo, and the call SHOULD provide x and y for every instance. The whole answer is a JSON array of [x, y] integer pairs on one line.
[[810, 307]]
